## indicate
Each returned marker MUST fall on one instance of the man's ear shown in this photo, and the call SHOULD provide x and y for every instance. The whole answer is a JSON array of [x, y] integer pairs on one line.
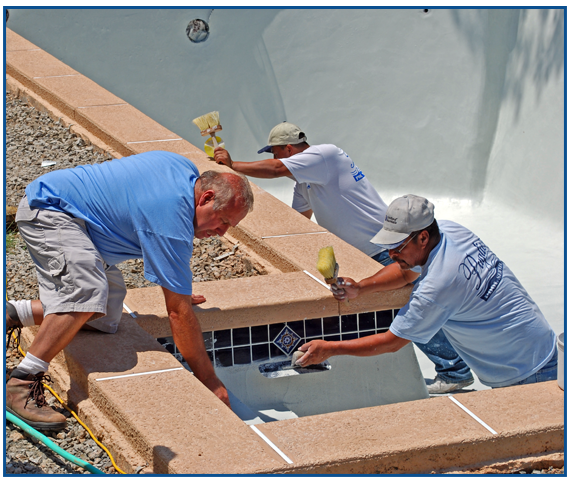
[[424, 238], [206, 197]]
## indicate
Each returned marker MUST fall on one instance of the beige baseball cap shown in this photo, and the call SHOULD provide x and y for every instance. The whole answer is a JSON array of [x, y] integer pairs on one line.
[[284, 134], [404, 215]]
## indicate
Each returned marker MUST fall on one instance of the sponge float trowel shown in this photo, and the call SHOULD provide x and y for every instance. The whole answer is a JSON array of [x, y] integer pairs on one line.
[[288, 368]]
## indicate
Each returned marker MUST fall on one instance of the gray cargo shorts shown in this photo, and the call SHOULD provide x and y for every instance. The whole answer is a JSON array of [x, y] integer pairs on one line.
[[72, 276]]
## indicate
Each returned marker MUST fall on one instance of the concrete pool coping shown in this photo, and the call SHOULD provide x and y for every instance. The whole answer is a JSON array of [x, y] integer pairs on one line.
[[129, 413]]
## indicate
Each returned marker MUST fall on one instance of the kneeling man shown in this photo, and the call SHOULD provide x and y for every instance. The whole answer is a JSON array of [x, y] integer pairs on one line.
[[462, 288]]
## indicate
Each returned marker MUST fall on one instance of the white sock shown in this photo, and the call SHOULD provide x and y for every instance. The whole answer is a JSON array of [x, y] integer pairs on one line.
[[33, 365], [24, 310]]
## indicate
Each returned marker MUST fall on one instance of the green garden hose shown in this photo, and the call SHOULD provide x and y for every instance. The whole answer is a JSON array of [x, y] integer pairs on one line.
[[51, 445]]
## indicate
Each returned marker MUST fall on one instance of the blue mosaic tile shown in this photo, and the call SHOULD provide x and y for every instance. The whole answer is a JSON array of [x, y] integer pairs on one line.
[[314, 328], [384, 318], [287, 340], [223, 357], [331, 325], [349, 323], [274, 329], [297, 327], [222, 339], [259, 334], [366, 321], [260, 352], [240, 336]]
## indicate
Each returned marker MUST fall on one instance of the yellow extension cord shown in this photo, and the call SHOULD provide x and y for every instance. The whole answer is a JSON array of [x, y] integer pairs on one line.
[[75, 415]]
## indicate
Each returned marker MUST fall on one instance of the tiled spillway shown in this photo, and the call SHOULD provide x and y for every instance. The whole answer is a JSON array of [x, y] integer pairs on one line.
[[151, 412]]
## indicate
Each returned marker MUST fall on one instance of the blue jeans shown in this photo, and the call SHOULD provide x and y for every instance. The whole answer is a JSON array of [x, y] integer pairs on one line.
[[548, 373], [448, 364]]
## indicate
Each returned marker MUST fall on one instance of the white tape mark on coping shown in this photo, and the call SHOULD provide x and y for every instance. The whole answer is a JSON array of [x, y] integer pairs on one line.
[[272, 445], [298, 234], [139, 374], [152, 141], [319, 281], [472, 415], [129, 311]]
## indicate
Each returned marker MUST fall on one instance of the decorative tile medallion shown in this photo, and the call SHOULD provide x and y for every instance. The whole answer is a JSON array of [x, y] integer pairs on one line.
[[287, 340]]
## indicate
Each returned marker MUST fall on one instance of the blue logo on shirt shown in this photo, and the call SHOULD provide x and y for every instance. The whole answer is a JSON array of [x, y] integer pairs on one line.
[[487, 283], [357, 174]]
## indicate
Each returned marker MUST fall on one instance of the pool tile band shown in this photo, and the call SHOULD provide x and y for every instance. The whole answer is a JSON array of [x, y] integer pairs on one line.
[[262, 343]]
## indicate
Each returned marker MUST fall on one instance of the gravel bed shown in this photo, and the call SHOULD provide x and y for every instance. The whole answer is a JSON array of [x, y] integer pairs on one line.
[[32, 137]]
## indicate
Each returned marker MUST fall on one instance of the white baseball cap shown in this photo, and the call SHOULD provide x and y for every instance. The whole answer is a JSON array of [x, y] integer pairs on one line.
[[404, 215], [284, 134]]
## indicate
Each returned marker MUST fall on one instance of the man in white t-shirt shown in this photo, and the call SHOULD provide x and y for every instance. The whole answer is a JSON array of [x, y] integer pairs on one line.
[[328, 185], [461, 289], [331, 186]]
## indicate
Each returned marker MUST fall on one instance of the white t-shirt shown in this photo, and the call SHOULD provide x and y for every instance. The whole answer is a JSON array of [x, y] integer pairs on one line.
[[339, 194], [484, 311]]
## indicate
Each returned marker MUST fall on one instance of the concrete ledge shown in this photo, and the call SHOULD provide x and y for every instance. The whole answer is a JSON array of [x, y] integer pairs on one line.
[[421, 436]]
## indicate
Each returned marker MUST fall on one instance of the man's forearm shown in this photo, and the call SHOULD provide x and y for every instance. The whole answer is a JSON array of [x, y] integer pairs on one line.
[[188, 338], [266, 169], [381, 343], [391, 277]]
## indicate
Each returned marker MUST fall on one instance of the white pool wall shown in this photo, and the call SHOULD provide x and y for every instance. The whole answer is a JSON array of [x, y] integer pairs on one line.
[[465, 107]]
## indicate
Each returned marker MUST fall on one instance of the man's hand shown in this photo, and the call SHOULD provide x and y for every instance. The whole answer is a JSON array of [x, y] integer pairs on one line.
[[222, 157], [316, 351], [215, 385], [197, 299], [345, 289]]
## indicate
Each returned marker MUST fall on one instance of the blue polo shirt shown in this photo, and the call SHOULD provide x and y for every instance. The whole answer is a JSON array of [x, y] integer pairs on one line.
[[140, 206]]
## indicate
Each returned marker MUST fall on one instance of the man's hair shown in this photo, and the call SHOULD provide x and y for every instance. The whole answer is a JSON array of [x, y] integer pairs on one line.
[[433, 230], [229, 188]]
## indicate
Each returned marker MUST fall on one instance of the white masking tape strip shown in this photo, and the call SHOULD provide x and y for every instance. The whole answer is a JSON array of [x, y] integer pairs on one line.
[[472, 415], [101, 105], [61, 75], [299, 234], [129, 311], [319, 281], [272, 445], [139, 374], [152, 141]]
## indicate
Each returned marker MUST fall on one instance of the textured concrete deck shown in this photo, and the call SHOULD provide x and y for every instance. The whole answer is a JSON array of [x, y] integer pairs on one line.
[[170, 422]]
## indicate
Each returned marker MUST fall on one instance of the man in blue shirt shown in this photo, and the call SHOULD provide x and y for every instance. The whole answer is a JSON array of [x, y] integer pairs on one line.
[[79, 223], [461, 288]]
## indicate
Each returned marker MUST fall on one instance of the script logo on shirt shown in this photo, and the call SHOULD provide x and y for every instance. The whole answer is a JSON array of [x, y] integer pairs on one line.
[[485, 268]]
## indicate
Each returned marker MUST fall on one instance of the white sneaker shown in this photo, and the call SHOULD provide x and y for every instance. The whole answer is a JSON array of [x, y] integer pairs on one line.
[[439, 386]]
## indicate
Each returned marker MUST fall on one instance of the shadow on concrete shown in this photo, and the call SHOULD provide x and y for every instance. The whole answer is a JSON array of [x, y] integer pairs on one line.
[[162, 456]]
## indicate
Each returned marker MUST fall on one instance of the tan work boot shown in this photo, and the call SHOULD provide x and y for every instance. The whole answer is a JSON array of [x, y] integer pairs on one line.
[[25, 399]]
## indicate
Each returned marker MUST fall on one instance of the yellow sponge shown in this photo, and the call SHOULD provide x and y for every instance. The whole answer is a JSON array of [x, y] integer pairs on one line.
[[326, 262]]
